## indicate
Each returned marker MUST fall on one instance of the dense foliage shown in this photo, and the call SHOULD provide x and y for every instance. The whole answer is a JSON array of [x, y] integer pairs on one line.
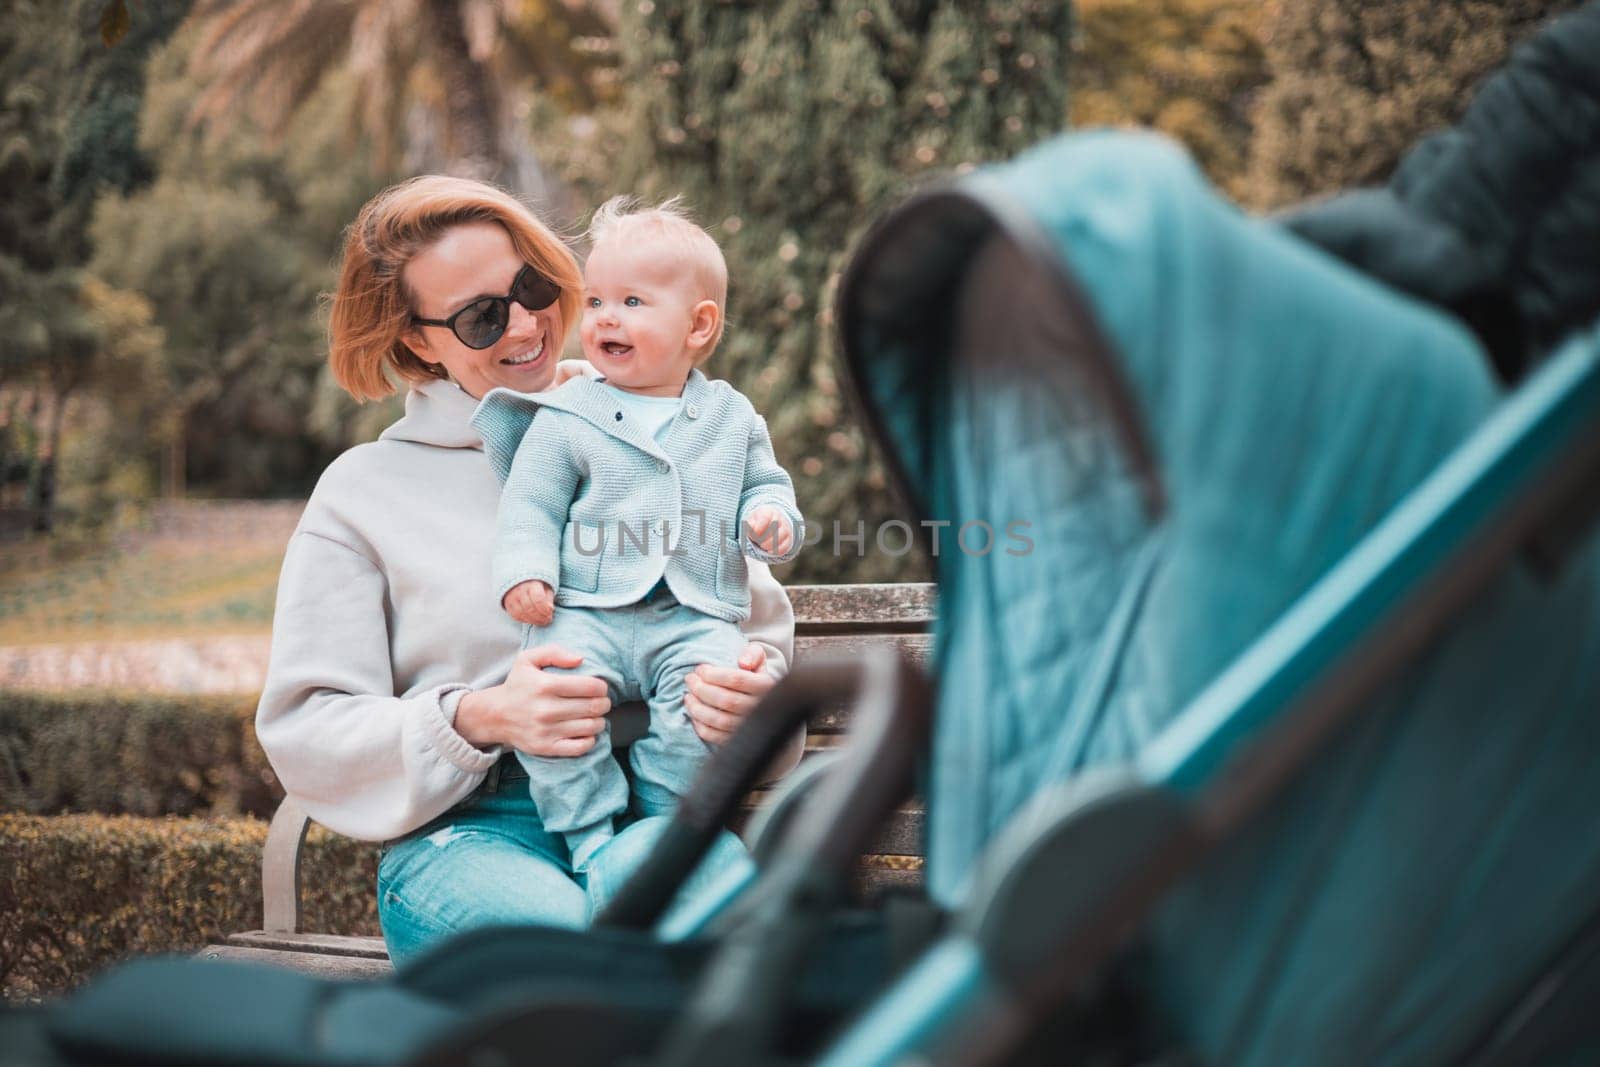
[[66, 135], [1189, 68], [789, 127], [1356, 82], [79, 892], [132, 753]]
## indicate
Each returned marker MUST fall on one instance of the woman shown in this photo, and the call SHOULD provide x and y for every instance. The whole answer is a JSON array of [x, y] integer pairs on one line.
[[396, 691]]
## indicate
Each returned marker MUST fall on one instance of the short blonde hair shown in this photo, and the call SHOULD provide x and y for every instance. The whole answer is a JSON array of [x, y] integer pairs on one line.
[[371, 307], [622, 217]]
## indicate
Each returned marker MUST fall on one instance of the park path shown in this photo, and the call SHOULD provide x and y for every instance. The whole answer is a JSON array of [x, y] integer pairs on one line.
[[235, 663], [228, 664]]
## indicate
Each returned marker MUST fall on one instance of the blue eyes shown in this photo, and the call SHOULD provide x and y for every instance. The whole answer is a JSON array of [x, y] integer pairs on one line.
[[628, 301], [633, 301]]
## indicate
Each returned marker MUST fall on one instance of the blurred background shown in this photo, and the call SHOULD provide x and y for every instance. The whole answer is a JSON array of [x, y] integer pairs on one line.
[[177, 175], [174, 180]]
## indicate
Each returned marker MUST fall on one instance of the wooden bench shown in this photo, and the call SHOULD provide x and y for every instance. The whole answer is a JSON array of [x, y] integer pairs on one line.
[[838, 619]]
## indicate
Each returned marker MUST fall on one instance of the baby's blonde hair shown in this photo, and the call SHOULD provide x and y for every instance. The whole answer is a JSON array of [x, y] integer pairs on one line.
[[622, 217]]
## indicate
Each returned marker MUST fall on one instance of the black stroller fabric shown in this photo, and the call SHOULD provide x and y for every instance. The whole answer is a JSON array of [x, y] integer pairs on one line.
[[1496, 219]]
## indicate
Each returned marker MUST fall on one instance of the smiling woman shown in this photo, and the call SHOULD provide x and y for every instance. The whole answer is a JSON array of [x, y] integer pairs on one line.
[[396, 691], [506, 338]]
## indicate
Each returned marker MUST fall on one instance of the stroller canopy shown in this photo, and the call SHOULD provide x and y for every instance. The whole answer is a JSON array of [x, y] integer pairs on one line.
[[1157, 422]]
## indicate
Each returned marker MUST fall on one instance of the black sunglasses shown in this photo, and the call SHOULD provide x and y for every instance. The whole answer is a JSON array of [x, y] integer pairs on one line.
[[483, 322]]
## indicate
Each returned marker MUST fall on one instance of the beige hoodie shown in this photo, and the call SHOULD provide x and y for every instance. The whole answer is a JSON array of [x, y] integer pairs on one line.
[[386, 616]]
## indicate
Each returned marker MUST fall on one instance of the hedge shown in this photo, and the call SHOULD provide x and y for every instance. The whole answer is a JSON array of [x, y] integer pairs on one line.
[[78, 892], [132, 753]]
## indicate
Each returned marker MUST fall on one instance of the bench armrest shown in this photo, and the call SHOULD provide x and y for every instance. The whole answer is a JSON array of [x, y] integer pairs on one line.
[[280, 868]]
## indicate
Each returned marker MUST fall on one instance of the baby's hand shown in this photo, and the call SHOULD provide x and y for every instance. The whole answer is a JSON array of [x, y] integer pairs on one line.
[[532, 602], [568, 369], [769, 530]]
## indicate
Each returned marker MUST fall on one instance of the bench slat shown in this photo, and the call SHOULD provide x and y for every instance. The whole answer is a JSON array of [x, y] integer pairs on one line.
[[884, 607], [309, 962], [371, 948], [900, 836], [915, 646]]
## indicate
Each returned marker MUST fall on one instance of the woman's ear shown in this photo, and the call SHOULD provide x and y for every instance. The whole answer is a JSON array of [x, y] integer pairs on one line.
[[704, 322], [414, 339]]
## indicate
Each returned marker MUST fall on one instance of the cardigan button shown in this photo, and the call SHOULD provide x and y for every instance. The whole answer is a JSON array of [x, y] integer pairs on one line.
[[692, 411], [619, 416], [661, 466]]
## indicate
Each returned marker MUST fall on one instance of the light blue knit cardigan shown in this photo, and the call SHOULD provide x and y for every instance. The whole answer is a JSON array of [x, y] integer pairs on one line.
[[597, 507]]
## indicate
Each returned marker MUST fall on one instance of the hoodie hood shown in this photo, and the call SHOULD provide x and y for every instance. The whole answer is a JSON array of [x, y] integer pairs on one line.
[[439, 414]]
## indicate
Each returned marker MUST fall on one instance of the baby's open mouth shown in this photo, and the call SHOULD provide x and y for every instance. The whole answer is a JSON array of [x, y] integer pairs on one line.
[[616, 348]]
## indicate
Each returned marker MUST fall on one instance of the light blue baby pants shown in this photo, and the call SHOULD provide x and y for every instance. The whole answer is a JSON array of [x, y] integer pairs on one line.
[[644, 651]]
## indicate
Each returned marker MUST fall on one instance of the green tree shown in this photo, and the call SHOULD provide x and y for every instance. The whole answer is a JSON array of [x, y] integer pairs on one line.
[[1190, 68], [788, 127], [65, 100], [231, 245], [462, 68], [1357, 82]]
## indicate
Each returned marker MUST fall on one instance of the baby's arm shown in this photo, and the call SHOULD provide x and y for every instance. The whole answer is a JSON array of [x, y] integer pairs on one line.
[[767, 500], [534, 503]]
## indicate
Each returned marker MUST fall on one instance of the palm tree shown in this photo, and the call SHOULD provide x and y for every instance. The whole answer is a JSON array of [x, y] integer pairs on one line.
[[459, 66]]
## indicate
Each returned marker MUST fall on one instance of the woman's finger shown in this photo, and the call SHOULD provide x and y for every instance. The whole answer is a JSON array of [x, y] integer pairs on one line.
[[707, 718], [557, 713], [550, 656], [719, 698], [589, 727], [570, 746], [754, 682], [572, 685]]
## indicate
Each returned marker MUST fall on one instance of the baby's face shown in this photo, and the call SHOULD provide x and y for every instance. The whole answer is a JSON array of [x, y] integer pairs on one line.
[[639, 314]]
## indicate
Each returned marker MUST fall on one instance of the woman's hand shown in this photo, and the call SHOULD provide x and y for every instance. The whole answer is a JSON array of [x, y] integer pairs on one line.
[[536, 711], [720, 697]]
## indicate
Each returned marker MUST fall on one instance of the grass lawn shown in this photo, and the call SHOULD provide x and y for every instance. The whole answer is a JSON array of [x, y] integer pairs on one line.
[[141, 586]]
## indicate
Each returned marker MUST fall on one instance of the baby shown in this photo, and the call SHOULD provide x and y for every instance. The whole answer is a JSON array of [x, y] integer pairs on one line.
[[630, 503]]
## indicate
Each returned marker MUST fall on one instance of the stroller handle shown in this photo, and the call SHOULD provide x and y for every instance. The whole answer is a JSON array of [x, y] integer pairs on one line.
[[880, 685], [744, 995]]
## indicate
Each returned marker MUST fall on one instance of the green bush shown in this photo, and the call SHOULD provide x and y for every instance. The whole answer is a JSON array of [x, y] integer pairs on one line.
[[1356, 82], [132, 753], [79, 892]]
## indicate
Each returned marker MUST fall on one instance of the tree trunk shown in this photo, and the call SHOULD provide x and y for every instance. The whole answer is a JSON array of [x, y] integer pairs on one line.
[[175, 459], [469, 105], [44, 487]]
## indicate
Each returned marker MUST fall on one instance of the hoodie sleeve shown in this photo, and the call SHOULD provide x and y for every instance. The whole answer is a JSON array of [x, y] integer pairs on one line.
[[364, 762], [771, 625]]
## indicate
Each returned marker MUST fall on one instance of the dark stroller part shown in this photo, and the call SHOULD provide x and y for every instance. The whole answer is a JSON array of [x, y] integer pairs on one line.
[[747, 993], [1345, 502], [733, 770], [1495, 219]]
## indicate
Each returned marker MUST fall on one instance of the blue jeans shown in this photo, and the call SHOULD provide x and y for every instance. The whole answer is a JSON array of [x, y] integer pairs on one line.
[[643, 651], [490, 862]]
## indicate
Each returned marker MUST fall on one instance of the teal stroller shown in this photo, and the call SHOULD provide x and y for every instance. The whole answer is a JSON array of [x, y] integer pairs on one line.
[[1268, 675], [1290, 708]]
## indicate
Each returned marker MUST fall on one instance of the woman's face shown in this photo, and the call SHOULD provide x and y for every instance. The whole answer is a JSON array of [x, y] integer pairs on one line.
[[472, 261]]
